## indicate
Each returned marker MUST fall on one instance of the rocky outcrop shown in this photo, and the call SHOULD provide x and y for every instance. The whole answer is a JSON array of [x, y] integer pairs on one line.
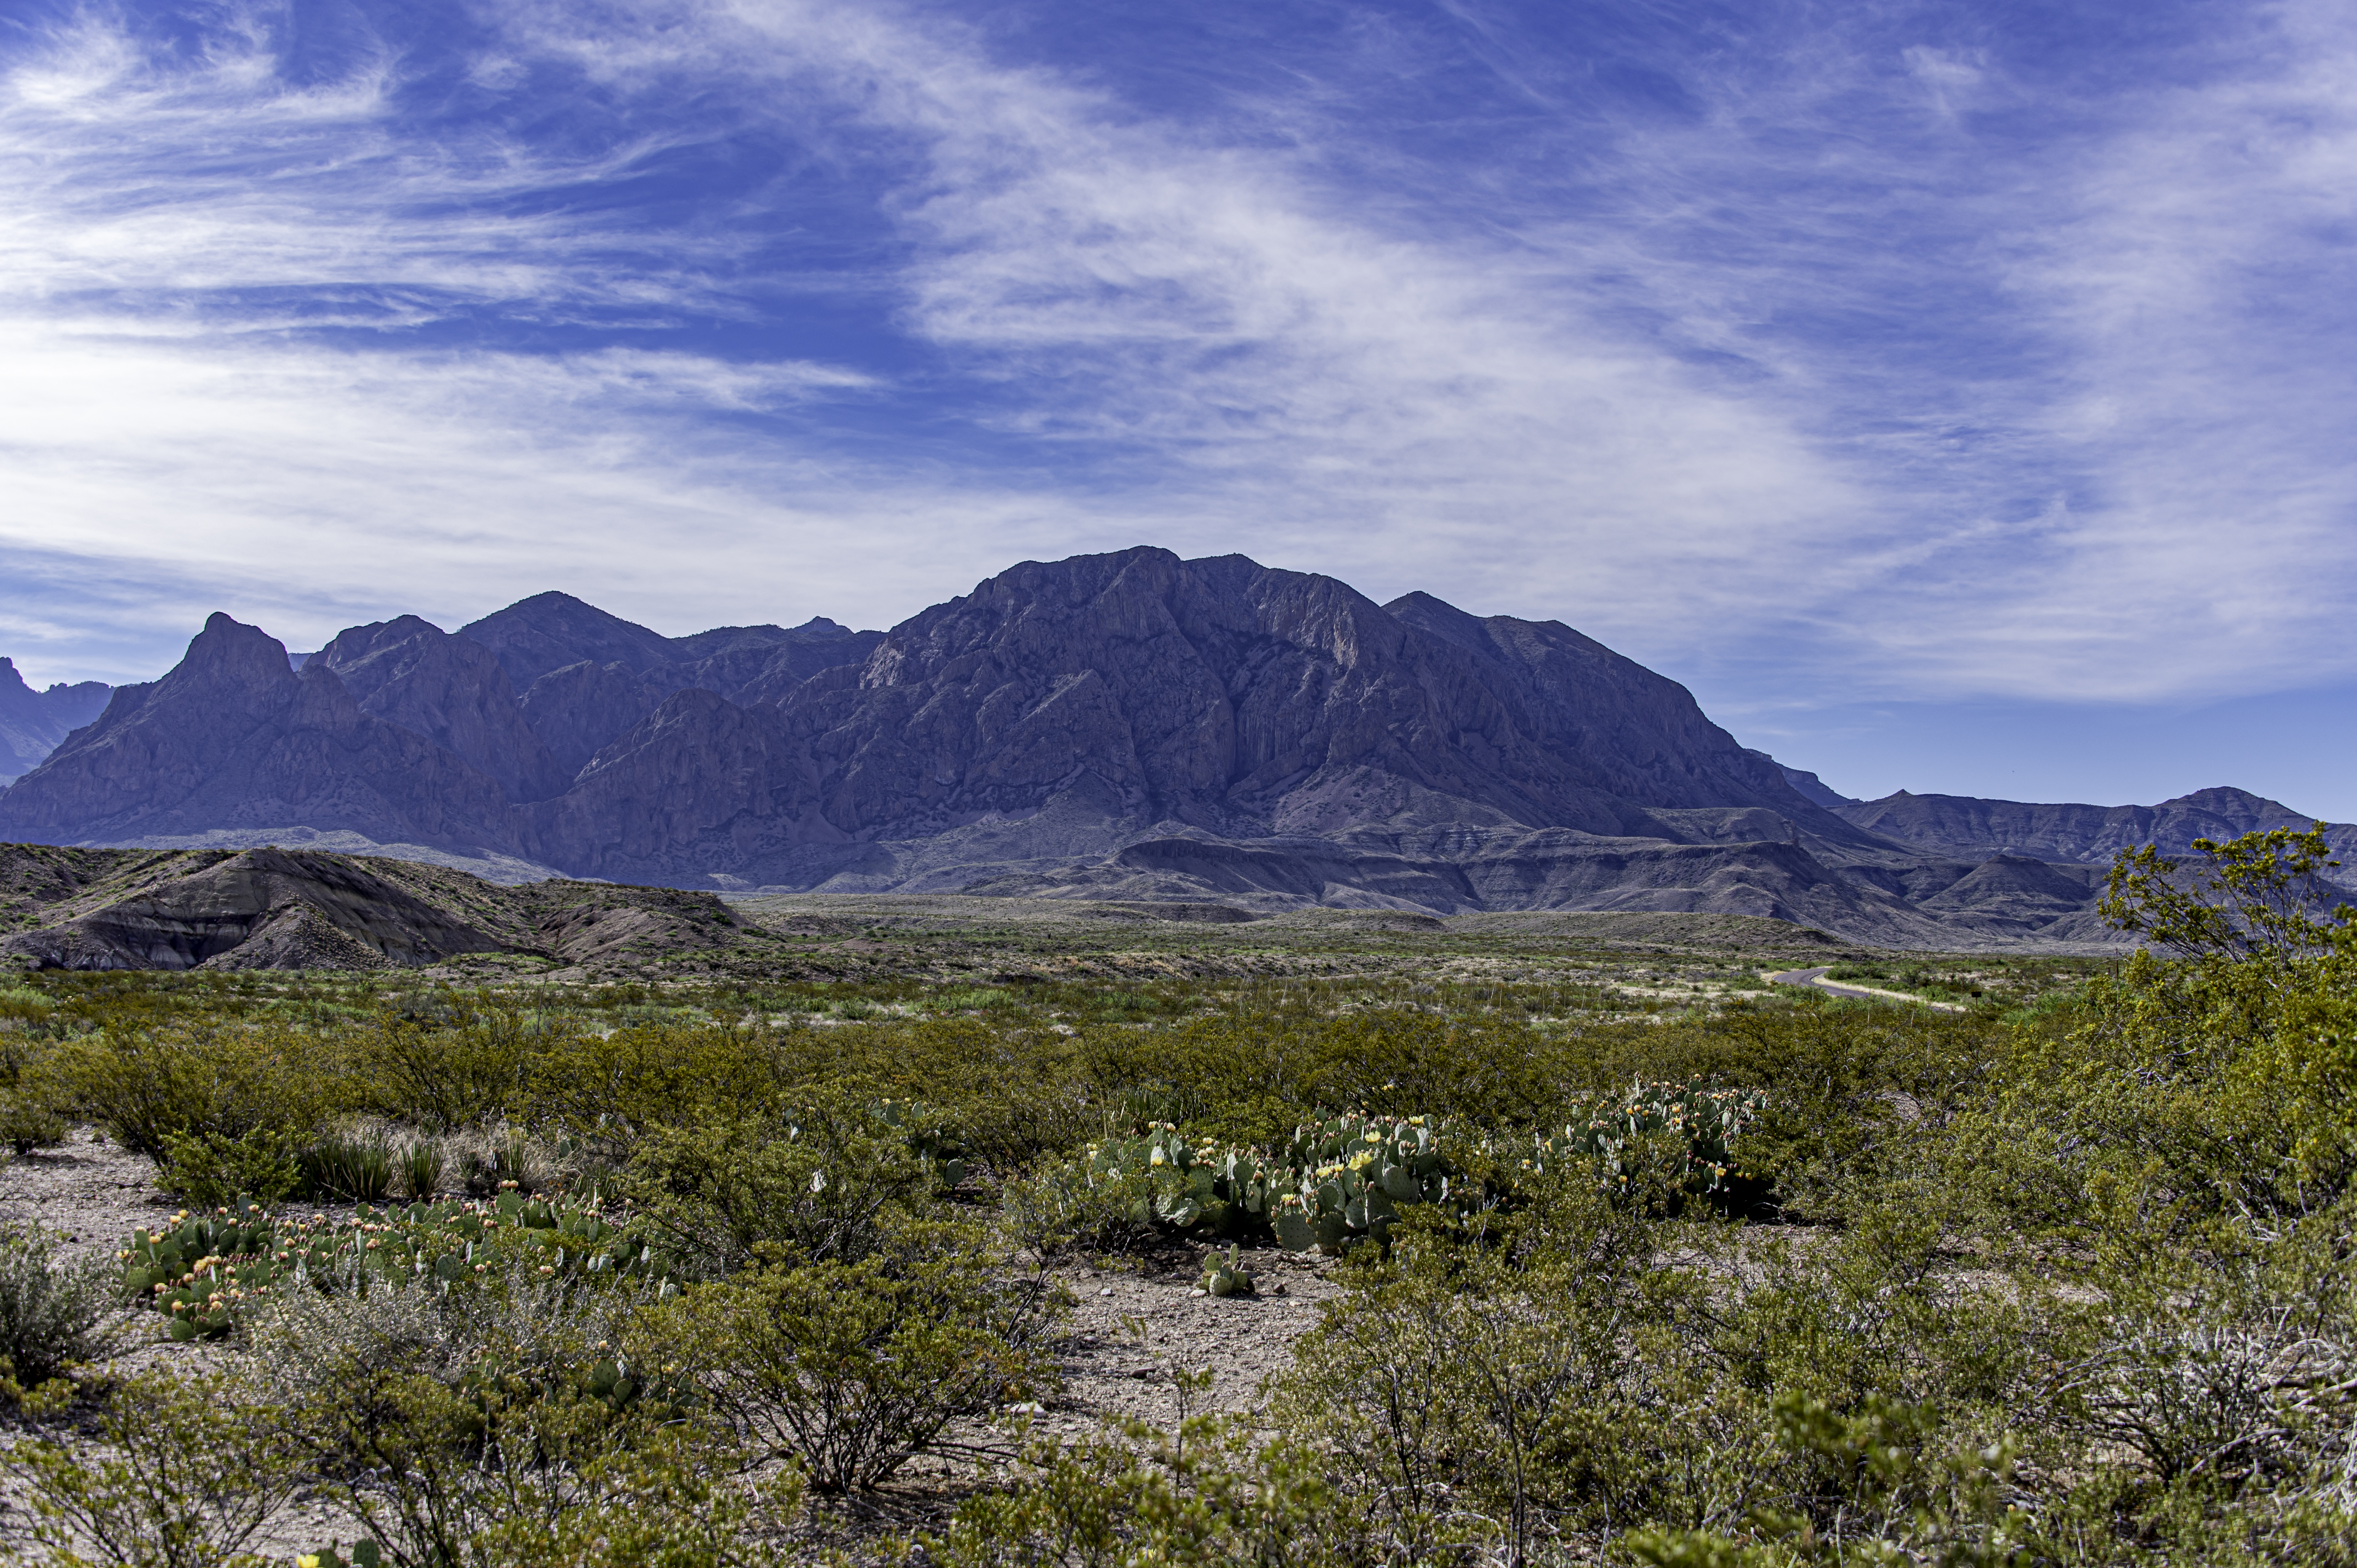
[[32, 723], [262, 908]]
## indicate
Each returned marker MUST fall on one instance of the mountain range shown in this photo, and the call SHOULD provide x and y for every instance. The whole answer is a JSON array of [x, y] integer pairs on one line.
[[1130, 726]]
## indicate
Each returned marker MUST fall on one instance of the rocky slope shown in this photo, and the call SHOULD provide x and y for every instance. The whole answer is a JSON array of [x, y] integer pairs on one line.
[[1129, 725], [273, 909], [32, 723]]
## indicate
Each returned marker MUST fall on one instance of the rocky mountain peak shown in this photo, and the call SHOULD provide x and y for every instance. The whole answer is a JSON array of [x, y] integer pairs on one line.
[[551, 630]]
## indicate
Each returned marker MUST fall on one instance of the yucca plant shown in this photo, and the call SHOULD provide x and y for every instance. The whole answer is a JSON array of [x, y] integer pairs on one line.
[[350, 1168], [421, 1168]]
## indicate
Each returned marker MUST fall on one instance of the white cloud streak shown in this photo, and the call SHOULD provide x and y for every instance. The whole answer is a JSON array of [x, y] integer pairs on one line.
[[1203, 339]]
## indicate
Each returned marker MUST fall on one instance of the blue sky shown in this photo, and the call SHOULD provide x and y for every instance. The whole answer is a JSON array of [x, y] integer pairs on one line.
[[1956, 396]]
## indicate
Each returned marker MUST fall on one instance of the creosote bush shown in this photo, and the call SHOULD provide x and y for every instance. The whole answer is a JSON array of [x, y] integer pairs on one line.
[[850, 1366], [54, 1314]]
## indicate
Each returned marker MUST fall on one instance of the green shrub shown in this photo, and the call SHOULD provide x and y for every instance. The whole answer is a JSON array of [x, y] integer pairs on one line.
[[186, 1476], [849, 1369], [211, 1169], [221, 1080], [490, 1477], [604, 1093], [30, 1123], [53, 1314], [1896, 1497], [1067, 1206], [822, 1184], [1211, 1489], [459, 1073]]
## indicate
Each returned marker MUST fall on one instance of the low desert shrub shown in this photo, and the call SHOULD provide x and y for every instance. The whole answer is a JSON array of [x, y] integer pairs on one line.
[[604, 1093], [517, 1328], [209, 1170], [1889, 1492], [494, 1475], [1065, 1206], [1209, 1489], [455, 1072], [30, 1116], [54, 1314], [216, 1080], [186, 1475], [850, 1368], [27, 1122], [822, 1184]]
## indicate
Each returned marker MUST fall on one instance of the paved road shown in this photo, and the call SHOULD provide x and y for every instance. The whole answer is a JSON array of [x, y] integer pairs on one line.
[[1815, 979]]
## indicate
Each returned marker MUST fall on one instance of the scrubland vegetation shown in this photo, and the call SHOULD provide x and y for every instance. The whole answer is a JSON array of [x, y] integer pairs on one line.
[[1641, 1263]]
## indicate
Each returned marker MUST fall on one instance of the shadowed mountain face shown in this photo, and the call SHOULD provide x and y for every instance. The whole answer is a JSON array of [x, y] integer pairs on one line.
[[1132, 726], [233, 738], [587, 677], [450, 690], [33, 723], [1062, 708]]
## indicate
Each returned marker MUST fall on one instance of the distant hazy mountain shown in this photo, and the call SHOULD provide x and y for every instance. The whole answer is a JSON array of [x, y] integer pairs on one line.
[[1963, 825], [1126, 725], [33, 723]]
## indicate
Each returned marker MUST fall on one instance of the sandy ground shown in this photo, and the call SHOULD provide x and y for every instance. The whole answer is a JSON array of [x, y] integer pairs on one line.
[[1132, 1323]]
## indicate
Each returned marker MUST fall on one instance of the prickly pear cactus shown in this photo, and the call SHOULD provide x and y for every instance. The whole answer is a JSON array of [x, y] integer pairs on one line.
[[1353, 1174], [1230, 1192], [1707, 1120], [203, 1269], [1227, 1276]]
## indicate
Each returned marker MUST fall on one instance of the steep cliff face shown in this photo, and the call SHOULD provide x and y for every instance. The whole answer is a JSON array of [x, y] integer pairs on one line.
[[32, 723], [233, 738], [450, 690]]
